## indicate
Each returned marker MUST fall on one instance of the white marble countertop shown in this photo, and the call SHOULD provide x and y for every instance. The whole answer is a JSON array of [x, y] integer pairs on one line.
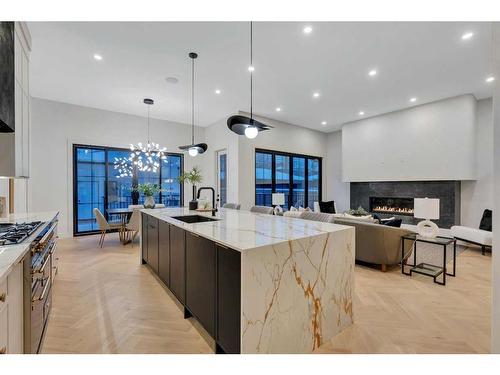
[[245, 230], [10, 255]]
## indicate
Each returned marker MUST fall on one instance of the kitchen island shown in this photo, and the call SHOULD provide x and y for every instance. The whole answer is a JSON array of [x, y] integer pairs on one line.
[[256, 283]]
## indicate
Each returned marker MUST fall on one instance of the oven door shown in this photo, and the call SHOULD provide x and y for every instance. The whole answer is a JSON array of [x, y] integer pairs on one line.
[[39, 310]]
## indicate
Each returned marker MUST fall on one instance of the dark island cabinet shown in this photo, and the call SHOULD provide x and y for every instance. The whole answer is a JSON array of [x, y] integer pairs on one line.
[[204, 276], [164, 252], [200, 280], [228, 300], [144, 236], [178, 263], [152, 258]]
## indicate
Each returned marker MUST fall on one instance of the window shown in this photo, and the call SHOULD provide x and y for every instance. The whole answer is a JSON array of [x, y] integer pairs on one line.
[[222, 176], [296, 176], [263, 178], [96, 184]]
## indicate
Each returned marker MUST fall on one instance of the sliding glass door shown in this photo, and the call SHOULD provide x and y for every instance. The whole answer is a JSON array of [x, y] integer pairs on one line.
[[89, 186], [97, 184], [298, 177]]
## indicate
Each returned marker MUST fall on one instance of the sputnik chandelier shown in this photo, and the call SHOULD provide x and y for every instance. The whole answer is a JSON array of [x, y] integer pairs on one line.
[[146, 157]]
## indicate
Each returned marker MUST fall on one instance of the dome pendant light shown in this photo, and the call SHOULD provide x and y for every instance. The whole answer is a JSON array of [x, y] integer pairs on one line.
[[243, 125], [147, 157], [198, 148]]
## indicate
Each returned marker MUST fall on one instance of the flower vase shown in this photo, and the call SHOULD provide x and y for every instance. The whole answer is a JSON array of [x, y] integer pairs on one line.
[[149, 202]]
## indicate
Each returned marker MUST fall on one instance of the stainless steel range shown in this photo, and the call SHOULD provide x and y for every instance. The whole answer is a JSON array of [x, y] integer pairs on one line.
[[39, 271], [11, 234]]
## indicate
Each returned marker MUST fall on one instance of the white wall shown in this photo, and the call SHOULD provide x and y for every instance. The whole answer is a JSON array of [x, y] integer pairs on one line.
[[336, 189], [219, 137], [495, 281], [57, 126], [284, 137], [477, 195], [434, 141]]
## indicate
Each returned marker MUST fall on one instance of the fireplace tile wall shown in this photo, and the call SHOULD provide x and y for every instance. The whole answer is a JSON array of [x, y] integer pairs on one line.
[[448, 193]]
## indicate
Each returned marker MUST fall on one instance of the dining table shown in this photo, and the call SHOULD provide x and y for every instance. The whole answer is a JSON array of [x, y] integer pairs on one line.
[[123, 214]]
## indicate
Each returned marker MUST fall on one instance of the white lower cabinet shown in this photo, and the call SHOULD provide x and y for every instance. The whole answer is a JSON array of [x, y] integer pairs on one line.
[[11, 312]]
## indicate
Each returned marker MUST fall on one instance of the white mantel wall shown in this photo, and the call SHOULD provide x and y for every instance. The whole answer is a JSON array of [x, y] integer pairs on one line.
[[434, 141], [57, 126]]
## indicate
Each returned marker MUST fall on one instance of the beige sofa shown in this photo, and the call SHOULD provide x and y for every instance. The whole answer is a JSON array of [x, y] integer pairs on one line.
[[378, 244]]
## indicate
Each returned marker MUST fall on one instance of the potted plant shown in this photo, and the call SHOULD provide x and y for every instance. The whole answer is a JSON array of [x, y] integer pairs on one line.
[[148, 190], [193, 177]]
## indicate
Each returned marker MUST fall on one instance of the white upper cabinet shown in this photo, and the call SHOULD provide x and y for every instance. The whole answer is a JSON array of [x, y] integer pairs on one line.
[[22, 48]]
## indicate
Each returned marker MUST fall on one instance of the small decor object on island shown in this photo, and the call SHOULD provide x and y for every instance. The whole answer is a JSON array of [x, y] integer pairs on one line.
[[193, 177], [278, 200], [148, 190], [426, 208]]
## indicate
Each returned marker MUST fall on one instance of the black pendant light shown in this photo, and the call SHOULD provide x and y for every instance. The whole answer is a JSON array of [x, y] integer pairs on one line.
[[243, 125], [198, 148]]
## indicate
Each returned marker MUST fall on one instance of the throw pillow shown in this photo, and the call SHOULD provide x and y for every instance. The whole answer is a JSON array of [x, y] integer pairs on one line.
[[327, 207], [393, 223], [486, 221]]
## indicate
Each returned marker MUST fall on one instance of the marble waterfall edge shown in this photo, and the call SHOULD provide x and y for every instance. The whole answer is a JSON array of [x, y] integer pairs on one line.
[[297, 295]]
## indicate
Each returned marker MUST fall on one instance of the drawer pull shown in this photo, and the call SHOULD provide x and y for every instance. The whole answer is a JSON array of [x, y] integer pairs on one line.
[[3, 350], [3, 297]]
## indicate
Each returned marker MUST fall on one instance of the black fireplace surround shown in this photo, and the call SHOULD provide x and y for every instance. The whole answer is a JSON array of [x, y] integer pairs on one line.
[[395, 198]]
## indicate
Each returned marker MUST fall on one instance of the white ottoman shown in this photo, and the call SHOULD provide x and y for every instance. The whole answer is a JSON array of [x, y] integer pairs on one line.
[[479, 237]]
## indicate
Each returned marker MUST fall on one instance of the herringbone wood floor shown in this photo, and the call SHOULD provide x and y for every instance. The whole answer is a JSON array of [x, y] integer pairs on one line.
[[104, 301]]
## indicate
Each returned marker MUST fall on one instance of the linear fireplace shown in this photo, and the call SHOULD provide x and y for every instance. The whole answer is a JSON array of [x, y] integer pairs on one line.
[[391, 205], [395, 198]]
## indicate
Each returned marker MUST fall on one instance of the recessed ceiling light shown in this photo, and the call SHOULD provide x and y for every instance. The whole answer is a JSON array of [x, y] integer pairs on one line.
[[413, 100], [172, 80], [251, 68], [467, 35], [490, 79], [217, 92], [307, 30], [97, 57], [323, 123], [278, 109], [361, 113], [316, 95], [372, 73]]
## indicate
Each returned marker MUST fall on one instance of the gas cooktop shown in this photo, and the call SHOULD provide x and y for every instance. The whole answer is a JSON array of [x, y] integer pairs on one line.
[[11, 234]]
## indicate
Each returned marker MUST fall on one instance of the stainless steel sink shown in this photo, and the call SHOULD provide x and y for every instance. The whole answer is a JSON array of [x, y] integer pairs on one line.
[[194, 218]]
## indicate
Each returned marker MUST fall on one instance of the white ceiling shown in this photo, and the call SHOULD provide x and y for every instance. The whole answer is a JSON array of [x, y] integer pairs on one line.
[[427, 60]]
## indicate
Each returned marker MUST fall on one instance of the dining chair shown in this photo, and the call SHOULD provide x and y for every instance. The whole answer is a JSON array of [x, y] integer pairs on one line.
[[133, 225], [262, 210], [232, 206], [138, 206], [135, 206], [104, 225]]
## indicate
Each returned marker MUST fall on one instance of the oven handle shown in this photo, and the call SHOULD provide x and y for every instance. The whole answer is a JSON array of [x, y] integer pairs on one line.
[[44, 291], [42, 268], [48, 234]]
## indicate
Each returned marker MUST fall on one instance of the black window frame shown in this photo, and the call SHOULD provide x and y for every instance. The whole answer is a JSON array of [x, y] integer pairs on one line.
[[273, 154], [135, 197]]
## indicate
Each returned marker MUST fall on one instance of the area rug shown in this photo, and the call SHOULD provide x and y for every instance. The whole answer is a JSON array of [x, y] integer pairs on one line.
[[433, 254]]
